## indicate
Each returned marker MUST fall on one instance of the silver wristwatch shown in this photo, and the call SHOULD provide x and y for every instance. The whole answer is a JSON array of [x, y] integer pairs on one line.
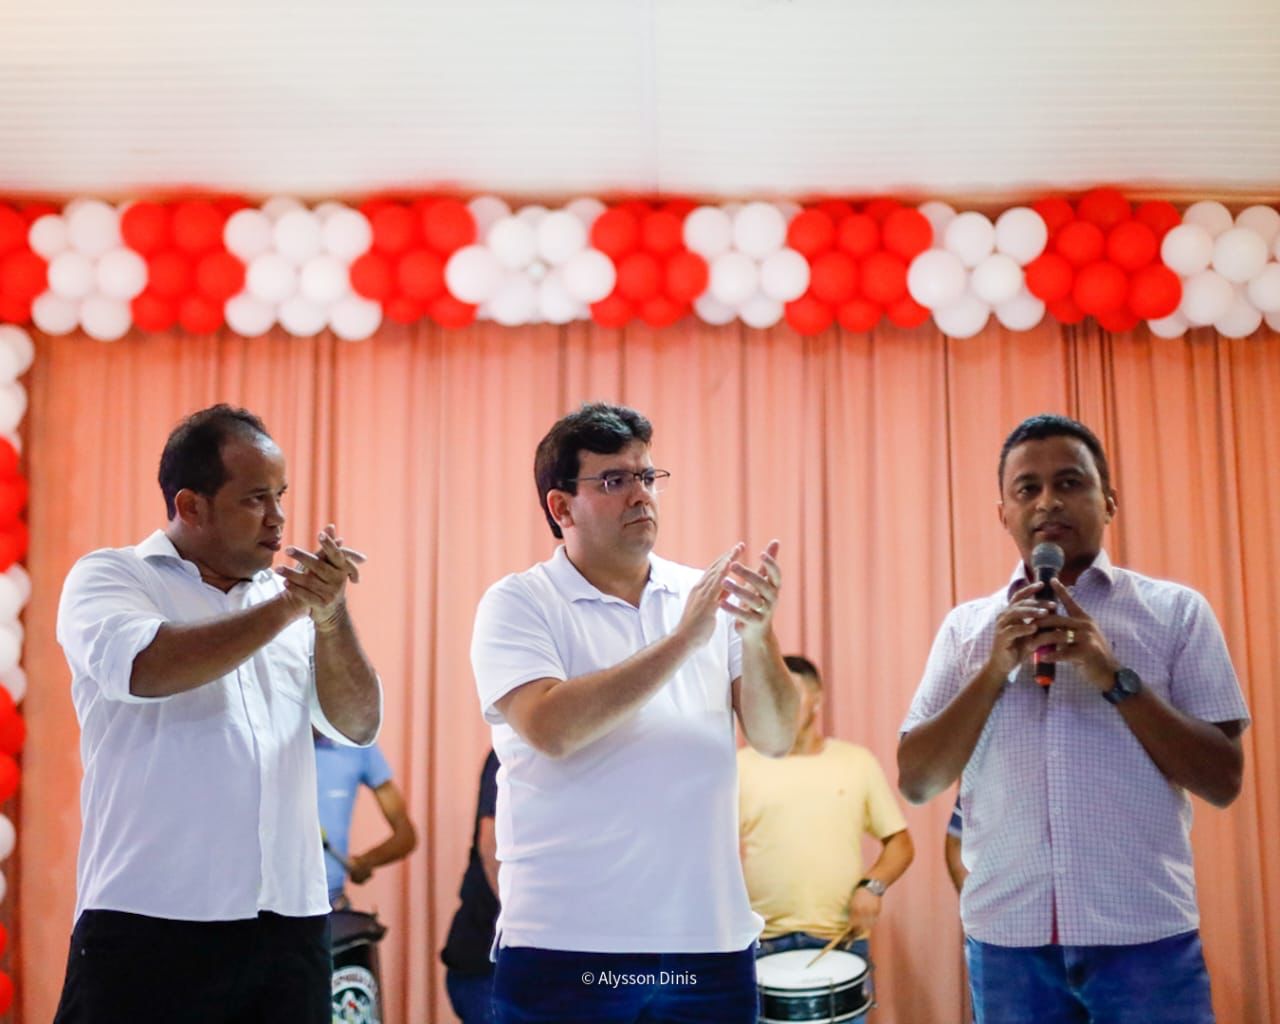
[[873, 885]]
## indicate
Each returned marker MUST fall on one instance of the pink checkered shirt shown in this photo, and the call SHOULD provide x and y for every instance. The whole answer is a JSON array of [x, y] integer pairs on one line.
[[1062, 807]]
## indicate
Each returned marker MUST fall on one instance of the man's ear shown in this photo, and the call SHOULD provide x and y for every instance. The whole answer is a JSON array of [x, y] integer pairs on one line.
[[1113, 505], [189, 507], [558, 504]]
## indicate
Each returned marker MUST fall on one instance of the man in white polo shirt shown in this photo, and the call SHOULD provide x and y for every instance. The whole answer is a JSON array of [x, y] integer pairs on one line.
[[611, 678]]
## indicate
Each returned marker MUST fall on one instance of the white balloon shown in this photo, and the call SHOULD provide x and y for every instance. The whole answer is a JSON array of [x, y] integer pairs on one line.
[[47, 236], [248, 234], [11, 599], [536, 271], [587, 209], [1264, 290], [532, 214], [4, 886], [1206, 297], [734, 277], [513, 242], [21, 351], [105, 319], [71, 275], [487, 211], [19, 576], [1210, 215], [589, 276], [122, 274], [354, 318], [271, 278], [8, 836], [302, 317], [1273, 321], [13, 406], [1187, 249], [939, 215], [712, 311], [346, 233], [15, 681], [249, 316], [784, 275], [555, 304], [93, 227], [1172, 326], [515, 302], [1021, 233], [997, 279], [790, 210], [1240, 320], [1022, 312], [760, 311], [277, 206], [327, 209], [1262, 220], [963, 318], [324, 279], [759, 229], [971, 236], [53, 314], [297, 236], [559, 235], [708, 231], [936, 278], [1239, 255], [473, 274]]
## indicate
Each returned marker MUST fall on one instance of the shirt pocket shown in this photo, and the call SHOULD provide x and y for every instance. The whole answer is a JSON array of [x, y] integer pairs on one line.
[[288, 663]]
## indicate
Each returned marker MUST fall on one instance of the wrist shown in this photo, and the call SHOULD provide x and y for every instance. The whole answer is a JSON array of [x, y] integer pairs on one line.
[[873, 886], [330, 621]]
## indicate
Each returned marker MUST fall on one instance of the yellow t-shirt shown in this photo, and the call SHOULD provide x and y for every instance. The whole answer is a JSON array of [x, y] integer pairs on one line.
[[801, 820]]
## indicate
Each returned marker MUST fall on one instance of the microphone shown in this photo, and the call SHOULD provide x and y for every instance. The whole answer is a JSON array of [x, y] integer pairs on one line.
[[1046, 560]]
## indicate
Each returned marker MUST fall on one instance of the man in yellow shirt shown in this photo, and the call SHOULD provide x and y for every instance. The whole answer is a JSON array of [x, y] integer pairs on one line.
[[801, 821]]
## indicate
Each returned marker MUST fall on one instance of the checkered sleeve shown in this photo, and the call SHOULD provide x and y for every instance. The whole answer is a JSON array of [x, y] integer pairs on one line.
[[942, 673], [1203, 681]]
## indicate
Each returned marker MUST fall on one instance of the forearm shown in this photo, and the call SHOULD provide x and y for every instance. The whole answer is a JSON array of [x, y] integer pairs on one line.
[[933, 754], [345, 681], [768, 701], [186, 655], [400, 844], [1192, 753], [895, 857]]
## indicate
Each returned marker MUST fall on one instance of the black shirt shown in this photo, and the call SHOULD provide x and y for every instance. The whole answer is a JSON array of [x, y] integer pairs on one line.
[[471, 935]]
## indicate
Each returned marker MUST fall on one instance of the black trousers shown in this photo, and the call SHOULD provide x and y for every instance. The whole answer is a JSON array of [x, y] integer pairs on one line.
[[149, 970]]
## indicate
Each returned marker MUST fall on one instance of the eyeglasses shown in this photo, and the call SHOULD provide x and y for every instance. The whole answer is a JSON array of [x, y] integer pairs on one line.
[[615, 481]]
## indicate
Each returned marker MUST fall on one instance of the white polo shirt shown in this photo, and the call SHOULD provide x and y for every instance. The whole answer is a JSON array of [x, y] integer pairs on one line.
[[200, 806], [629, 845]]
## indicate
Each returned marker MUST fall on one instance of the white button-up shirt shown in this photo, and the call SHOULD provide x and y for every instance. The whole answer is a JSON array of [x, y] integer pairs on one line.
[[199, 806]]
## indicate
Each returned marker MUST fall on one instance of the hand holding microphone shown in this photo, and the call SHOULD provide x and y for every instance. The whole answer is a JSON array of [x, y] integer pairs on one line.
[[1047, 560]]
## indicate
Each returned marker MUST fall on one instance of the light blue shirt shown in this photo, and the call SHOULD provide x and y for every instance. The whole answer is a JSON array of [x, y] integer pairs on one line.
[[340, 771]]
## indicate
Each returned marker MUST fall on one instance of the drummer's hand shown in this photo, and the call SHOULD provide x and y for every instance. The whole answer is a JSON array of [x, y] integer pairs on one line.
[[359, 871], [864, 911]]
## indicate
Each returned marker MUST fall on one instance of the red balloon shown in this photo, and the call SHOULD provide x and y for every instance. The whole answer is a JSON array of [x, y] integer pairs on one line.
[[858, 315], [1131, 245], [1100, 288], [13, 734], [639, 276], [1065, 311], [34, 209], [13, 229], [13, 499], [1080, 242], [615, 233], [14, 310], [809, 315], [6, 992], [404, 310], [836, 209], [833, 277], [4, 942], [1159, 215], [880, 209], [7, 706], [197, 226], [448, 225], [638, 208], [9, 776], [169, 274], [811, 232], [686, 276], [372, 276], [1105, 207], [199, 315], [370, 207], [23, 275], [420, 274], [227, 205], [661, 311], [8, 458], [1049, 277], [394, 228], [1117, 321], [450, 312], [1154, 292], [662, 232], [858, 235], [145, 227], [680, 207], [612, 311], [907, 313], [1055, 211], [884, 278], [154, 313], [907, 233], [219, 275]]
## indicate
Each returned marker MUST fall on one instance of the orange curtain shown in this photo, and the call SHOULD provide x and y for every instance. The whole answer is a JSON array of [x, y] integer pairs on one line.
[[871, 458]]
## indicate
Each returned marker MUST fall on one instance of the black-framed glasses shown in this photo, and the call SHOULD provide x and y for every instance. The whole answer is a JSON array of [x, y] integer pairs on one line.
[[615, 481]]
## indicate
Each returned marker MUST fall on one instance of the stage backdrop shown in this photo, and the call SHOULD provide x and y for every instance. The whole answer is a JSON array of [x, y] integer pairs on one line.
[[871, 458]]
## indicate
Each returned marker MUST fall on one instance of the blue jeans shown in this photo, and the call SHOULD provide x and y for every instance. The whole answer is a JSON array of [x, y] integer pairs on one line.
[[1162, 982], [547, 986], [803, 940], [471, 996]]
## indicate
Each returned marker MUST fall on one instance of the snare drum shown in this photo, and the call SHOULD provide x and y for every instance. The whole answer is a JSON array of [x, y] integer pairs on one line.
[[835, 989], [354, 937]]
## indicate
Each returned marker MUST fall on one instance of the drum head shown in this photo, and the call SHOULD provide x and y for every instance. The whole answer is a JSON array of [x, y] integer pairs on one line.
[[835, 989], [789, 971]]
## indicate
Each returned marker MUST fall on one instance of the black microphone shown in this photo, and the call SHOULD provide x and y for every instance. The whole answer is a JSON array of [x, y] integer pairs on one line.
[[1046, 561]]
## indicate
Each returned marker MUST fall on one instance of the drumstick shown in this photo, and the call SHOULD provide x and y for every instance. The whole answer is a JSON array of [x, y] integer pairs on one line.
[[346, 864], [829, 947]]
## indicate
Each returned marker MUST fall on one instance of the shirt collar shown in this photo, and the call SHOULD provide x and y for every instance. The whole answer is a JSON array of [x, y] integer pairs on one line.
[[573, 585], [1100, 568], [158, 545]]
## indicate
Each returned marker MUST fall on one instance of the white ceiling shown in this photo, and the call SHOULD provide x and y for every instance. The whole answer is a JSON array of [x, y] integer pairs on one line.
[[711, 98]]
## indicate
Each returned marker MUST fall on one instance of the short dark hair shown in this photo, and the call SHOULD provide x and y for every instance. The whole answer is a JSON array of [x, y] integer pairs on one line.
[[192, 456], [802, 666], [595, 427], [1047, 424]]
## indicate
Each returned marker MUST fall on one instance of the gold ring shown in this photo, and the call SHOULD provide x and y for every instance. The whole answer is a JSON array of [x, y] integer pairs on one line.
[[1071, 637]]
